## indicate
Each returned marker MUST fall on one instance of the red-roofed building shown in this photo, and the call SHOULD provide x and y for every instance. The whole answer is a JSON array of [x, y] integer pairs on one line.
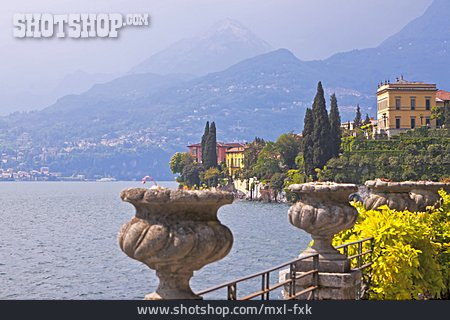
[[196, 150], [442, 95]]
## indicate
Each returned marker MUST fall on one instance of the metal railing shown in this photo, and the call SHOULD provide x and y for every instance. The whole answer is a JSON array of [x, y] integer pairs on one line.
[[360, 264], [290, 283], [266, 287]]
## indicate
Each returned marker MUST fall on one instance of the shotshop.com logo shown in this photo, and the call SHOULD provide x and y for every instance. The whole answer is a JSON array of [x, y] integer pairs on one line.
[[74, 25]]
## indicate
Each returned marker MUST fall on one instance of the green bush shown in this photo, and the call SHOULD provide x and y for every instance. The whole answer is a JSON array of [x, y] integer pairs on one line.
[[411, 255]]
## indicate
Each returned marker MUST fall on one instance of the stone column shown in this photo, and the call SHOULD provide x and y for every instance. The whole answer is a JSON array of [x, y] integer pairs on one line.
[[414, 196], [175, 232], [323, 210]]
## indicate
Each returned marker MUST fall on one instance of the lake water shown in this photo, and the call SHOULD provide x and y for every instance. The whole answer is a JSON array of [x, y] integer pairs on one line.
[[58, 240]]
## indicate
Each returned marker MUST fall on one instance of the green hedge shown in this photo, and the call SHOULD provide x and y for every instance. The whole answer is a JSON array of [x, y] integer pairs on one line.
[[404, 158]]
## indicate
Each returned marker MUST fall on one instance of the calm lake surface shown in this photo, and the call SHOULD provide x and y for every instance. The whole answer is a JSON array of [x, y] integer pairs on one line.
[[58, 240]]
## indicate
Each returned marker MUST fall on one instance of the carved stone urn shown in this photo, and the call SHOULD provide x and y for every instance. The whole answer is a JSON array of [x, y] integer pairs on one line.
[[323, 209], [408, 195], [175, 232]]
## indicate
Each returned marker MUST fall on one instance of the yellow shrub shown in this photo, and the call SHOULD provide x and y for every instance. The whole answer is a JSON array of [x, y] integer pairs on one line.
[[411, 257]]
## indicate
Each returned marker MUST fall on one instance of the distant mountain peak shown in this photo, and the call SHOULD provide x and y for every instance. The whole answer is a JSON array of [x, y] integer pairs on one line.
[[227, 24], [285, 53], [223, 44], [233, 28]]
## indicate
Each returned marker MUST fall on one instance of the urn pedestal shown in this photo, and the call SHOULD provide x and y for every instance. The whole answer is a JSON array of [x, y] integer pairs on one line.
[[175, 232], [323, 210], [414, 196]]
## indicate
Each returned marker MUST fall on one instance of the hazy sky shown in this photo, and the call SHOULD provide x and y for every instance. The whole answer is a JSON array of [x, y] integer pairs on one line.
[[312, 29]]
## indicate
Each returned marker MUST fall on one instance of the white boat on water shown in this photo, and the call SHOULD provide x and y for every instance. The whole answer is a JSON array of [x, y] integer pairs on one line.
[[106, 180]]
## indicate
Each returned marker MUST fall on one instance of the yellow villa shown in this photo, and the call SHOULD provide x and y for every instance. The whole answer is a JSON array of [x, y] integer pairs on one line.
[[405, 105], [235, 160]]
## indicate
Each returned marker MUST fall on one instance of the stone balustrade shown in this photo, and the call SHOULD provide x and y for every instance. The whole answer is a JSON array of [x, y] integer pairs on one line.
[[175, 232], [414, 196]]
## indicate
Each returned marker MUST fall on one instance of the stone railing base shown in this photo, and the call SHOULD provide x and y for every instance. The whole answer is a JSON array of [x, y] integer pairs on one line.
[[325, 265], [332, 286]]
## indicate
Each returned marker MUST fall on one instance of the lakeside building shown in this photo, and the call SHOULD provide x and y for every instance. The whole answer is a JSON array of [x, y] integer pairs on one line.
[[196, 150], [235, 160], [405, 105], [349, 125]]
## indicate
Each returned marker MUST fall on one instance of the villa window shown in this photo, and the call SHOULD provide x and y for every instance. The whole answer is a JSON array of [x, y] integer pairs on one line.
[[413, 103], [397, 123], [427, 121], [428, 104], [398, 103], [413, 123]]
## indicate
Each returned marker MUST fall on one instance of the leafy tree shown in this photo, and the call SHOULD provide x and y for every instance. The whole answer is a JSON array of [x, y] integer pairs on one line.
[[321, 132], [294, 177], [358, 120], [335, 127], [289, 146], [252, 151], [203, 143], [308, 144], [277, 182], [442, 115], [268, 161], [211, 148], [191, 174], [210, 177], [447, 116], [179, 160]]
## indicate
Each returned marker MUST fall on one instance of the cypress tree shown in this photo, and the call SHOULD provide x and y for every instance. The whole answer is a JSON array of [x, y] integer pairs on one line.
[[211, 147], [367, 121], [357, 122], [308, 126], [308, 145], [321, 132], [204, 138], [335, 127]]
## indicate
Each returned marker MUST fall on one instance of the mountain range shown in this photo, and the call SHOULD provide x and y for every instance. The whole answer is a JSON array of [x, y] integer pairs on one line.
[[420, 51], [173, 93]]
